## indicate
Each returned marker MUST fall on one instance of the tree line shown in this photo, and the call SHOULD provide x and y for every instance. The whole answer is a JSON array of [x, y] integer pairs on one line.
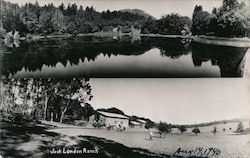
[[45, 99], [47, 19], [232, 19]]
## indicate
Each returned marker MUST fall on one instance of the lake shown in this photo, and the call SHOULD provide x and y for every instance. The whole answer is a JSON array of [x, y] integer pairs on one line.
[[92, 56]]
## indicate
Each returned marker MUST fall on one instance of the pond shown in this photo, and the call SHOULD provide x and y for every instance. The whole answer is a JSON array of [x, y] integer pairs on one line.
[[92, 56]]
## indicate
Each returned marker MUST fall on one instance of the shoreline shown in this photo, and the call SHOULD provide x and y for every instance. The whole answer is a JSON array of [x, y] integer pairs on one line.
[[210, 40], [222, 41]]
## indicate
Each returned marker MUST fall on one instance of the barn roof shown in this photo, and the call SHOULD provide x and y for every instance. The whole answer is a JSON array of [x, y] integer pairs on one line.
[[142, 121], [112, 115], [135, 123]]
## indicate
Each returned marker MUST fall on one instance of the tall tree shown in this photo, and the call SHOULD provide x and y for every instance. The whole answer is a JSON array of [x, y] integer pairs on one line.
[[76, 89], [164, 128]]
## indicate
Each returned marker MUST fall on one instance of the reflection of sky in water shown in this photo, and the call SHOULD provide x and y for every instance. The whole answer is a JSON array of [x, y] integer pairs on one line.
[[150, 64]]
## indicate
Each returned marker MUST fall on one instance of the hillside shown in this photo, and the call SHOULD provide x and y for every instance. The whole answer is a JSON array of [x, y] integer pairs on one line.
[[138, 12]]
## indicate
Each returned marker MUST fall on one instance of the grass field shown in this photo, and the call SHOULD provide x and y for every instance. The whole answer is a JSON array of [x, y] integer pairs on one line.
[[38, 140], [229, 143]]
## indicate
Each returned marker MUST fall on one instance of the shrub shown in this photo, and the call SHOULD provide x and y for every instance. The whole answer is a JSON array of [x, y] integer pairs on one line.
[[182, 128], [196, 130]]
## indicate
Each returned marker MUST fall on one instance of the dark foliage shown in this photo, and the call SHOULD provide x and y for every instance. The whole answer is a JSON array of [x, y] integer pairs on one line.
[[182, 128], [36, 19], [196, 130], [164, 127], [232, 19], [172, 24]]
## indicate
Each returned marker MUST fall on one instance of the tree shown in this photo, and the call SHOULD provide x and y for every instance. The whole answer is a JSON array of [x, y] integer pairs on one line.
[[196, 130], [228, 5], [76, 89], [48, 87], [62, 7], [173, 24], [200, 21], [7, 95], [197, 10], [164, 128], [232, 19], [47, 19], [234, 22], [58, 21], [240, 127], [182, 128], [149, 26], [46, 25], [149, 124], [33, 97]]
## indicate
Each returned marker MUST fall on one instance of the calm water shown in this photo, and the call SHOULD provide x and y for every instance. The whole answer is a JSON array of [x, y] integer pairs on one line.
[[120, 57]]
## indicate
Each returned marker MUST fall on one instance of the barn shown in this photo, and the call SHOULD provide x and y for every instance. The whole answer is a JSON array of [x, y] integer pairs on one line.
[[109, 119]]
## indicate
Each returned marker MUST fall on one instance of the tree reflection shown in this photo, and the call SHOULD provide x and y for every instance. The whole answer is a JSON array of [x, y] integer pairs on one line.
[[231, 60], [33, 56]]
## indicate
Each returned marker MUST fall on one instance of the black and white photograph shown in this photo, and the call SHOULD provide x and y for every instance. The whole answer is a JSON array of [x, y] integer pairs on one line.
[[125, 118], [125, 78], [124, 38]]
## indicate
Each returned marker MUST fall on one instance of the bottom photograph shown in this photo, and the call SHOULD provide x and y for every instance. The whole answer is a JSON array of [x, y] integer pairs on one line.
[[125, 118]]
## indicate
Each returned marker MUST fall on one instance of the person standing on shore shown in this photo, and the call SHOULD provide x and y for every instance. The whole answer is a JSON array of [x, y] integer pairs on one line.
[[151, 135]]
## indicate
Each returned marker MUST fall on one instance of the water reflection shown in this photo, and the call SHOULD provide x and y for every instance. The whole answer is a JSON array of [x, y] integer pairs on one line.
[[120, 57], [231, 60]]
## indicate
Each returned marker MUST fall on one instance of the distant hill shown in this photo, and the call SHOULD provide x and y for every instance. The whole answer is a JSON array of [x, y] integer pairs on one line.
[[138, 12], [215, 122]]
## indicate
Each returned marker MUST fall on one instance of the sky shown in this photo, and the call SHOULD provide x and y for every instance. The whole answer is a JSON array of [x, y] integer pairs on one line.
[[180, 101], [156, 8]]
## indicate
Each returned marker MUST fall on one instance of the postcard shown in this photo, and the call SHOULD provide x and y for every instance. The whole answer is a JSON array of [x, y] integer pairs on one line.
[[125, 78]]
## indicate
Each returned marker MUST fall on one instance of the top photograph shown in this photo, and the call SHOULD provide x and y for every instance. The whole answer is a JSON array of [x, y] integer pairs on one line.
[[124, 38]]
